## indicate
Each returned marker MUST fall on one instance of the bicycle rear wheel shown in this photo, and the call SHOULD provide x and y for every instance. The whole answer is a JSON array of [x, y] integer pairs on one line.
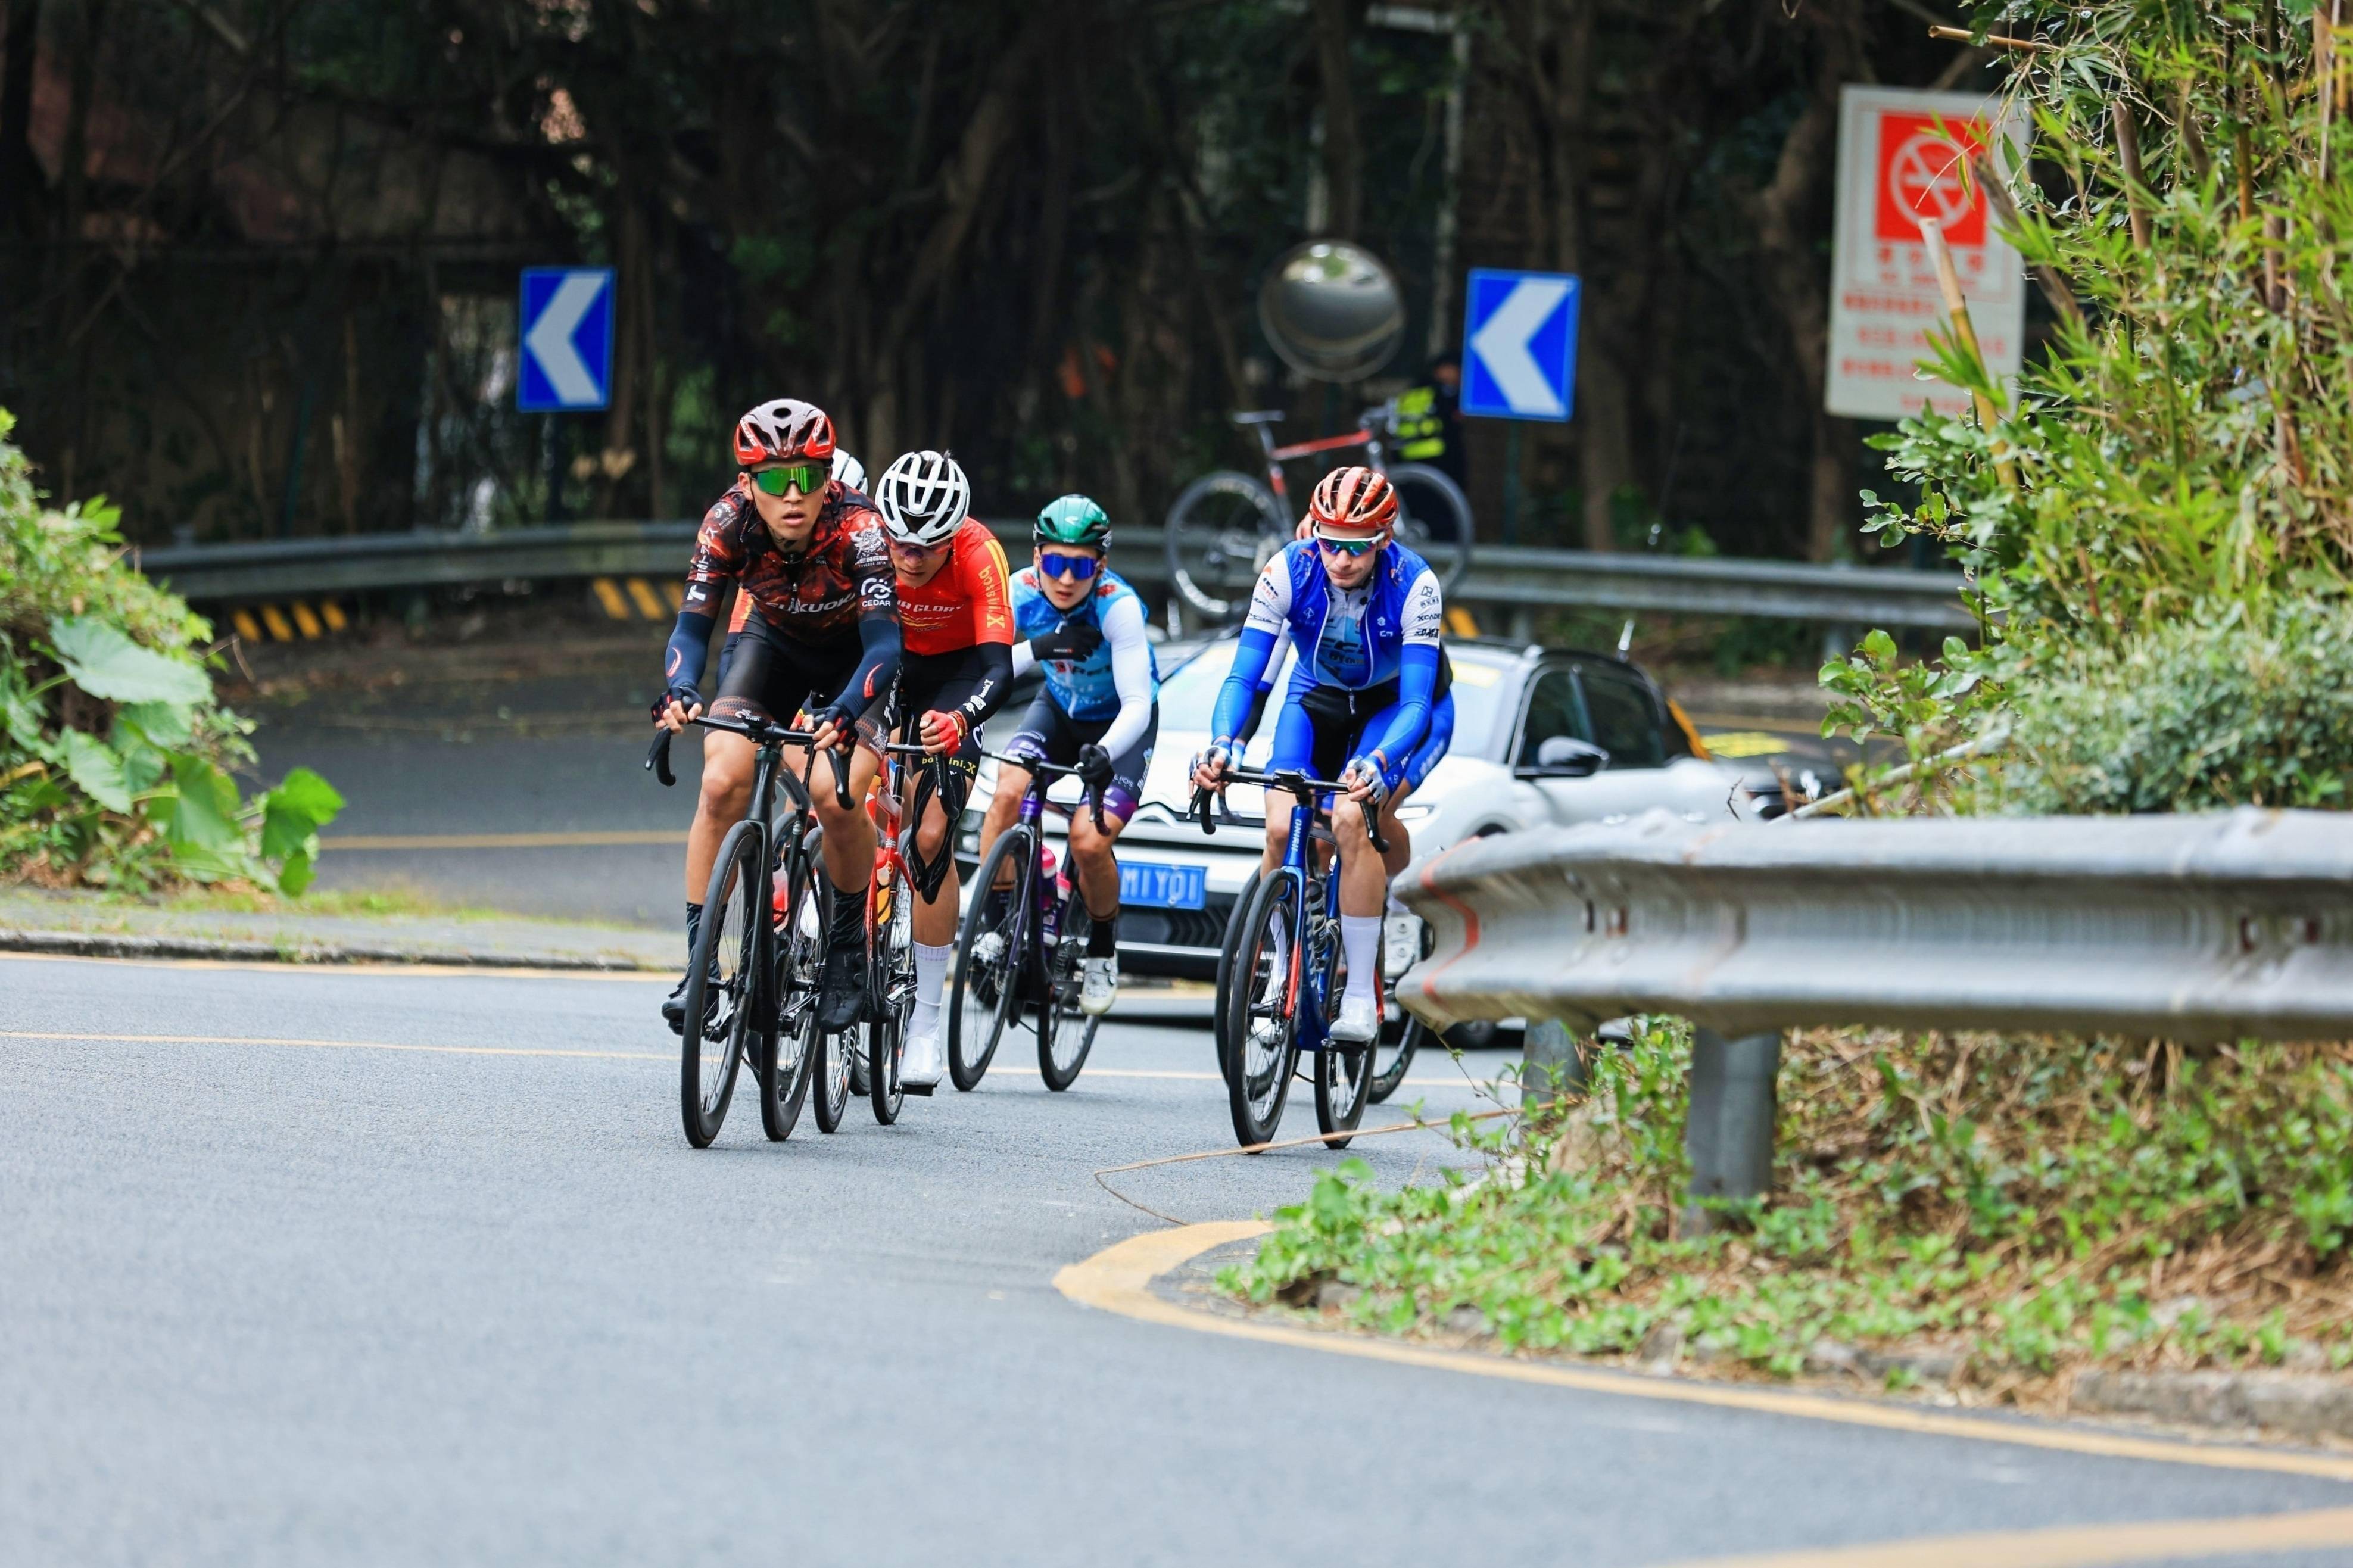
[[1221, 532], [789, 1054], [1400, 1039], [982, 997], [1065, 1033], [721, 989], [1261, 1026], [832, 1078], [1433, 519]]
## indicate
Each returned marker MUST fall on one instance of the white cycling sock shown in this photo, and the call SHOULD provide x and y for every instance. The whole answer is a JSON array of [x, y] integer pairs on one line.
[[1280, 950], [1360, 936], [1395, 908], [931, 979]]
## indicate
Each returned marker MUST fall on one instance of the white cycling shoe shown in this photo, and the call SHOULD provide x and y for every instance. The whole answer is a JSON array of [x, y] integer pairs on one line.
[[987, 949], [1098, 986], [925, 1060], [1359, 1019]]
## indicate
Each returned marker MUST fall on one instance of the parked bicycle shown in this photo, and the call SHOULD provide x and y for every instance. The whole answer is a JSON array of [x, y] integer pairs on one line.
[[1282, 988], [1402, 1034], [1022, 946], [1226, 526], [751, 993]]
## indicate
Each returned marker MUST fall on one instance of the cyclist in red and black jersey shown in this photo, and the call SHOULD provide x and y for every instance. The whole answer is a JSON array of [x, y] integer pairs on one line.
[[815, 628], [956, 610]]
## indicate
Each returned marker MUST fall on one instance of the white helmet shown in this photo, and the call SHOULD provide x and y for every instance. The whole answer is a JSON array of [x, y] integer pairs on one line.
[[849, 470], [924, 497]]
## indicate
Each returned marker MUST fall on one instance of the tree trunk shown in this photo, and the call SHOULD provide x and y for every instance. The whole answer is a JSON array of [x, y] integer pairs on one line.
[[1343, 147], [20, 174], [630, 259]]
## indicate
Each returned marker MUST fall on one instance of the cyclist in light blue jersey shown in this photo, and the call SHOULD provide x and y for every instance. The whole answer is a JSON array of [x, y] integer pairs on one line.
[[1099, 711], [1364, 614]]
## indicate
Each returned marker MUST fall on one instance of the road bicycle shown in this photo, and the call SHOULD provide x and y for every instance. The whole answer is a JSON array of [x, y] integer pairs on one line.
[[1226, 526], [890, 1002], [1283, 986], [1041, 924], [751, 989], [1402, 1034]]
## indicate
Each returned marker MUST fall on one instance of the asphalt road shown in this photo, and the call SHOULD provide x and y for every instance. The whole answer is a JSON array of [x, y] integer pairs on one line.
[[329, 1266]]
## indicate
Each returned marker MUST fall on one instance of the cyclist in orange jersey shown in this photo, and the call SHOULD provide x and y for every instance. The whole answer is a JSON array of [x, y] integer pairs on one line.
[[955, 630]]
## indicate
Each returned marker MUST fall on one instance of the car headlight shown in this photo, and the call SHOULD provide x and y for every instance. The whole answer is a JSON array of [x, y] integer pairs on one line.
[[1414, 813]]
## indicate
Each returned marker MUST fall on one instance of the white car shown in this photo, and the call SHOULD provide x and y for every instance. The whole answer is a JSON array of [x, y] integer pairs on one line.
[[1177, 886]]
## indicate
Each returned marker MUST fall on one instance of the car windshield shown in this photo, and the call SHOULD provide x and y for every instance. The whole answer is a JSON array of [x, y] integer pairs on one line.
[[1188, 697]]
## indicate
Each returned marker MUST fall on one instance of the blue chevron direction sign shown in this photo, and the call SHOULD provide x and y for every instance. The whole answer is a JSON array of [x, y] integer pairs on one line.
[[1519, 345], [567, 340]]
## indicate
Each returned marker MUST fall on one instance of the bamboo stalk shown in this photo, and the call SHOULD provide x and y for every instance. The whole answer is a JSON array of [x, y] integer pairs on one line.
[[2128, 155], [2324, 71], [1956, 306], [2005, 211], [2193, 147], [1963, 35]]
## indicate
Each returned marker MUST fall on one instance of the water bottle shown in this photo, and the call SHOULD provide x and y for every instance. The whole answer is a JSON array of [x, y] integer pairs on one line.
[[1051, 887]]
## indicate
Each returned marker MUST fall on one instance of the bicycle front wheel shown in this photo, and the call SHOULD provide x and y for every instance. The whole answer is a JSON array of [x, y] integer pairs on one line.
[[722, 987], [1433, 519], [1261, 1030], [892, 1003], [982, 998], [1225, 974], [1065, 1032], [788, 1055], [1220, 534]]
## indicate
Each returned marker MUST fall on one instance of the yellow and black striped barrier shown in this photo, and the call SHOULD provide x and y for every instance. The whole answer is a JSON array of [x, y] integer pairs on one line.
[[294, 621], [629, 598]]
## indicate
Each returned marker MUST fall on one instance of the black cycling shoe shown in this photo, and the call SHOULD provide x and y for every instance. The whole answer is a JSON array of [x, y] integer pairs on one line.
[[674, 1005], [841, 988]]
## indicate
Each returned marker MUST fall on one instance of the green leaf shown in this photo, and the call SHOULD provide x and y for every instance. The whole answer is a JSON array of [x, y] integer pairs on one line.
[[203, 813], [164, 724], [297, 873], [96, 769], [106, 663], [292, 814]]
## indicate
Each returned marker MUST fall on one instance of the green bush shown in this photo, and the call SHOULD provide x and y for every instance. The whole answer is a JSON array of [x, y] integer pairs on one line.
[[114, 754], [2036, 1205], [2224, 708]]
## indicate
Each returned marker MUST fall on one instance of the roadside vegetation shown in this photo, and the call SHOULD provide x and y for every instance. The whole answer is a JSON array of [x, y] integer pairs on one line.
[[115, 758], [2157, 524]]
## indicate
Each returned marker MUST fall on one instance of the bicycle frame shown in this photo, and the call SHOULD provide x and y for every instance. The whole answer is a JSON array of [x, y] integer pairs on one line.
[[1366, 434], [1028, 938]]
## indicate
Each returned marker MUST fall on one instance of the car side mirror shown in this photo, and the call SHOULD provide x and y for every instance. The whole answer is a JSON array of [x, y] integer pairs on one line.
[[1566, 757]]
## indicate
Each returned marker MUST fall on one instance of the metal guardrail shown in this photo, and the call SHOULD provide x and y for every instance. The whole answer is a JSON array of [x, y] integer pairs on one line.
[[2207, 927], [2210, 927], [1878, 596]]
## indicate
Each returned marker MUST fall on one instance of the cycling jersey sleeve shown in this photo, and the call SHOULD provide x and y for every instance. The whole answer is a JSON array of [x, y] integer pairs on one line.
[[1131, 673], [690, 646], [1268, 617], [878, 637], [1024, 661], [1274, 658], [996, 661], [990, 581]]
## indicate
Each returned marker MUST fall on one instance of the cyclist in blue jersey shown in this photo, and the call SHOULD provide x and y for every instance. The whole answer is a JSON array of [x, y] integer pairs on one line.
[[1364, 614], [1099, 711]]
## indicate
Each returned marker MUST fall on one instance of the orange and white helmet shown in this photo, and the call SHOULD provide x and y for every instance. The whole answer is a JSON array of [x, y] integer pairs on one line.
[[1352, 500], [783, 431]]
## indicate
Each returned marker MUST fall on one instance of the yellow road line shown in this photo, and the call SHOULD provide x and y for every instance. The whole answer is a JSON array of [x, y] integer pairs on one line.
[[329, 1045], [405, 971], [1119, 1279], [2074, 1546], [503, 840]]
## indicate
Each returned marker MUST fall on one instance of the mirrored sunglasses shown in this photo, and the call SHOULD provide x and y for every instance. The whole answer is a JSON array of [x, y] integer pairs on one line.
[[806, 477], [1054, 563]]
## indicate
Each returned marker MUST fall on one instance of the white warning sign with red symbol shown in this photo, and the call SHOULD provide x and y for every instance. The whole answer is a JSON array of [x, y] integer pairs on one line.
[[1903, 156]]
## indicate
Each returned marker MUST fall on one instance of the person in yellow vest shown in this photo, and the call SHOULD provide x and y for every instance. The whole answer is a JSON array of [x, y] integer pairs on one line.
[[1429, 423]]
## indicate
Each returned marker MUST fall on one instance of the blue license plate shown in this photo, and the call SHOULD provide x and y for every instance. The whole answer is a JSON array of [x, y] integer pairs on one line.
[[1150, 885]]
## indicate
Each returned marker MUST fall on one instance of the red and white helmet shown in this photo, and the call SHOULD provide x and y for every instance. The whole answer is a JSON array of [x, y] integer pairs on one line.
[[783, 431], [1352, 500], [924, 497]]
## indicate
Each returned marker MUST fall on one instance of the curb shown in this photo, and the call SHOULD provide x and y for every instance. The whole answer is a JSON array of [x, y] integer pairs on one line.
[[89, 944]]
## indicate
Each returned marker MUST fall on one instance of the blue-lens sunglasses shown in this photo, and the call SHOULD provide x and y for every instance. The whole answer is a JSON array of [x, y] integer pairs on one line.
[[1054, 563]]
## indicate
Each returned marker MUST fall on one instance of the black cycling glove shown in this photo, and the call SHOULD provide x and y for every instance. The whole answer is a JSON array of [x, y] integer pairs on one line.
[[683, 693], [1069, 640], [839, 714], [1094, 767]]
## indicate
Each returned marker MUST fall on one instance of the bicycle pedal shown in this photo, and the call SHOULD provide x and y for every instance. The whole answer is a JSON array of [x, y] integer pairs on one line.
[[921, 1089]]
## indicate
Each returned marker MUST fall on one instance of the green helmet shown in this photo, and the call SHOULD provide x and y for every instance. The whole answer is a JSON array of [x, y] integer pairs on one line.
[[1073, 519]]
